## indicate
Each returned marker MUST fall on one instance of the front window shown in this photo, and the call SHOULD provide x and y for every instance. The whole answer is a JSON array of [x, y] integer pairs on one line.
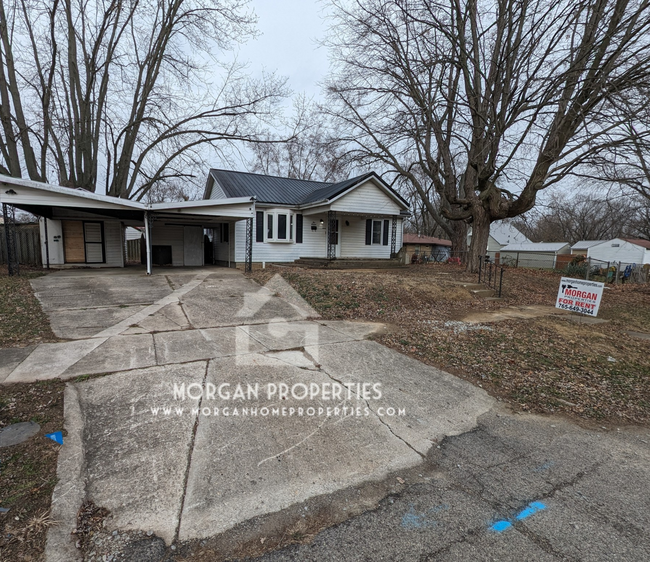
[[279, 226], [376, 232], [282, 227]]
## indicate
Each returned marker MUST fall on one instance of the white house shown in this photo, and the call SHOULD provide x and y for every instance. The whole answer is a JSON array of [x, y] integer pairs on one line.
[[626, 251], [501, 234], [247, 218], [534, 254], [357, 218]]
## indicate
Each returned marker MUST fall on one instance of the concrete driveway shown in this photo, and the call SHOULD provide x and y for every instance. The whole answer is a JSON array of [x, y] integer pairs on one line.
[[217, 402], [216, 419]]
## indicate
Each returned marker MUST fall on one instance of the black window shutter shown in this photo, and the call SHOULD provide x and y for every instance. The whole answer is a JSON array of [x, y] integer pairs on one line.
[[225, 232], [368, 232], [298, 229], [259, 226], [386, 226]]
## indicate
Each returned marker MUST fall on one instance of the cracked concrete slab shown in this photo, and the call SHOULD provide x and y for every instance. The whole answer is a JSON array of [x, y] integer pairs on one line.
[[84, 323], [51, 360], [267, 463], [194, 345], [119, 353], [135, 460], [291, 335], [437, 404], [168, 318]]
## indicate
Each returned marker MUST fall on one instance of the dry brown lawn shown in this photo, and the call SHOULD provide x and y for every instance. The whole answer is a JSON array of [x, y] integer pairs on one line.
[[542, 363]]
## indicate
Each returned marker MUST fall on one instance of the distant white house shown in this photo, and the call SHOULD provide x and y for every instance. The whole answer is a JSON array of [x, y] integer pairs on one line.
[[501, 234], [581, 247], [534, 254], [626, 251]]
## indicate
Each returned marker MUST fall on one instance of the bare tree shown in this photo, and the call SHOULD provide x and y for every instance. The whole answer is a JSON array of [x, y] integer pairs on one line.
[[581, 217], [490, 101], [312, 150], [114, 94]]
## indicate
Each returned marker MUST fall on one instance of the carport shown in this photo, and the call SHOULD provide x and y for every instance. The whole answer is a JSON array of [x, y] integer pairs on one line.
[[83, 229]]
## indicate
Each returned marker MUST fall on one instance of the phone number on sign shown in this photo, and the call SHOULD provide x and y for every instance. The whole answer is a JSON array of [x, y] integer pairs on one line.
[[573, 308]]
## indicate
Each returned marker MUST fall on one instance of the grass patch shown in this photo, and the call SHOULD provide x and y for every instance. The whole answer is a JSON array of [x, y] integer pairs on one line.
[[28, 470], [22, 320]]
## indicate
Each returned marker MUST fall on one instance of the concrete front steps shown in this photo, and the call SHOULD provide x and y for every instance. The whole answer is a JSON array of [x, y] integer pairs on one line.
[[348, 263], [479, 290]]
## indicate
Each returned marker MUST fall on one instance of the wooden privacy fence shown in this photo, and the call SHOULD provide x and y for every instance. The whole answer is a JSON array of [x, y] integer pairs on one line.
[[133, 253], [28, 245]]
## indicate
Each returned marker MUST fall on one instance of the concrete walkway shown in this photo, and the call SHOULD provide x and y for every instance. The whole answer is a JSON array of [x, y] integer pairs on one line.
[[226, 407]]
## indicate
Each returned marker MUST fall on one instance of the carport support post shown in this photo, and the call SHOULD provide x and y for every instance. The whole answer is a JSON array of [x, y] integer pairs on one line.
[[249, 245], [147, 241], [9, 216]]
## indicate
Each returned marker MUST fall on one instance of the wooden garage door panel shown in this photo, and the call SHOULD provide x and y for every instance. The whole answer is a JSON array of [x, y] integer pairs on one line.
[[73, 242]]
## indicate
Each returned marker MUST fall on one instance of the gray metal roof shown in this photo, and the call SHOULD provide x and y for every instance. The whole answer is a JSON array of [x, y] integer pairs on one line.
[[585, 244], [286, 191], [535, 247]]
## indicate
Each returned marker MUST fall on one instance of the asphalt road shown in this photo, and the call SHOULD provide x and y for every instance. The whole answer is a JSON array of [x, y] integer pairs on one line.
[[518, 487]]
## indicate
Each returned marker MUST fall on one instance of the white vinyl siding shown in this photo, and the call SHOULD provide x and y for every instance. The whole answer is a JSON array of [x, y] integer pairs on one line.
[[352, 238], [368, 197], [169, 236], [625, 252], [314, 244], [216, 192]]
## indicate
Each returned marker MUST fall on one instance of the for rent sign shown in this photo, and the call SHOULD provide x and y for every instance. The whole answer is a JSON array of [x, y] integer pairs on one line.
[[579, 295]]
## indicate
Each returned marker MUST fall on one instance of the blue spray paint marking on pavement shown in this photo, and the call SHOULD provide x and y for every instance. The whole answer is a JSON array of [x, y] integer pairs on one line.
[[57, 437], [545, 466], [501, 526], [414, 520], [529, 510], [533, 507]]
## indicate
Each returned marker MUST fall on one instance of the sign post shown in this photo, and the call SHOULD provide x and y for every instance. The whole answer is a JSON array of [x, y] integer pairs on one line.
[[579, 295]]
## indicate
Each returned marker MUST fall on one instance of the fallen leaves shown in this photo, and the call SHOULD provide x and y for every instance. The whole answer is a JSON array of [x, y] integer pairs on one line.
[[544, 364]]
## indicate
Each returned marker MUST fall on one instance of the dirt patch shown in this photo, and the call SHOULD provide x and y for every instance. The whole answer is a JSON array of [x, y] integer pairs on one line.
[[533, 357], [28, 470], [513, 313], [22, 320]]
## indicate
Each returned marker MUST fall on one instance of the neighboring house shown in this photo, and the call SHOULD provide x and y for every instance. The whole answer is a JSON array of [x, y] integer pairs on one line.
[[534, 254], [582, 247], [501, 234], [357, 218], [435, 248], [624, 250]]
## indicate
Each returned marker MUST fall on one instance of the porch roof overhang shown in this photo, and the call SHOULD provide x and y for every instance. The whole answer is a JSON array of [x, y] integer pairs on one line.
[[42, 199]]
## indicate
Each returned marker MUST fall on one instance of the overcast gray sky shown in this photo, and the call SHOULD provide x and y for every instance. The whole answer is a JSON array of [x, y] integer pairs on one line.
[[288, 44]]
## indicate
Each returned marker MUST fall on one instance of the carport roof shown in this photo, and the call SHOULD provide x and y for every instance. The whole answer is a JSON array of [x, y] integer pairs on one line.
[[38, 198]]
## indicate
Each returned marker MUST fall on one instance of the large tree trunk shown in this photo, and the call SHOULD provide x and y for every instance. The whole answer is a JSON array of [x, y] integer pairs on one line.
[[458, 237], [480, 236]]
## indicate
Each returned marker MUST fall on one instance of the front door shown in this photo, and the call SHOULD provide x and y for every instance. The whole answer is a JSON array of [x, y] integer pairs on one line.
[[94, 242], [335, 239]]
